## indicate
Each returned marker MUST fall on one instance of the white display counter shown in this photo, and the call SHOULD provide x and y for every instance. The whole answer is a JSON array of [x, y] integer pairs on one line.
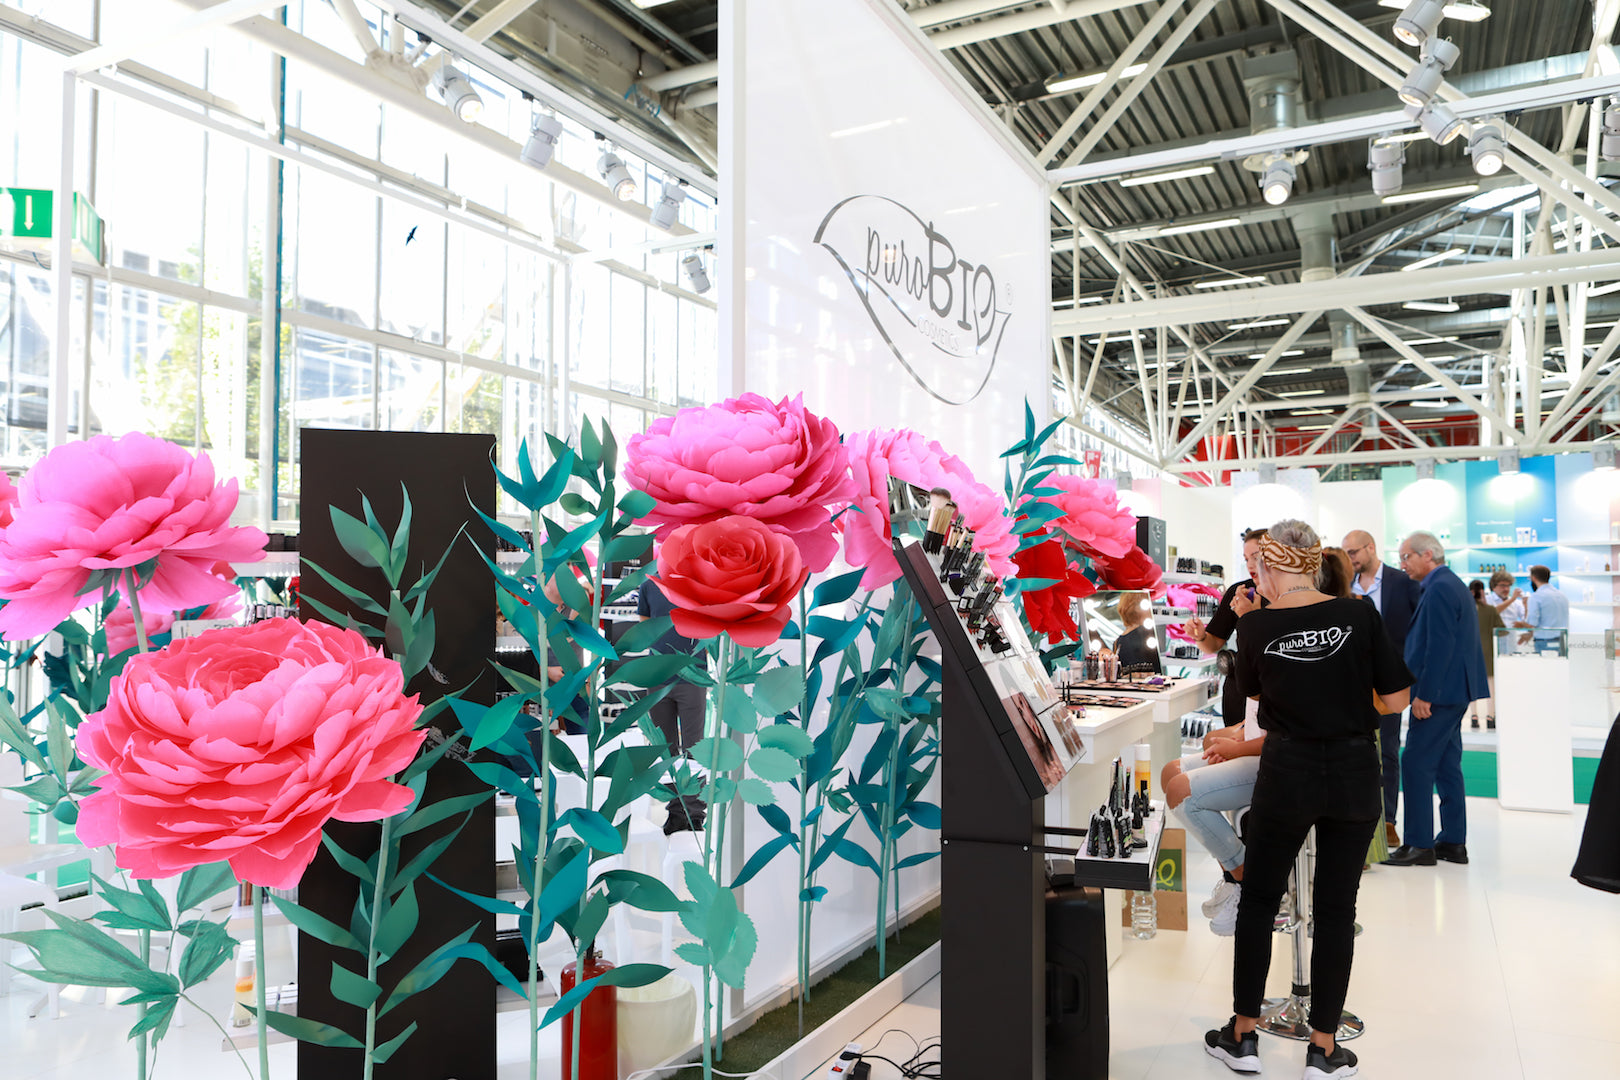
[[1534, 766]]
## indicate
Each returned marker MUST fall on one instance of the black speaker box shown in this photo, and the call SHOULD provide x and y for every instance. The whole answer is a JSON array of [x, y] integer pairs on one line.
[[1076, 984], [1150, 538]]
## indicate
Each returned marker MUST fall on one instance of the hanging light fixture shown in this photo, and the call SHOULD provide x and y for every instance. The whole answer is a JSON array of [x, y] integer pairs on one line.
[[614, 173], [544, 131], [1277, 179], [695, 273], [669, 205], [1385, 161], [1609, 146], [1437, 58], [1420, 19], [1440, 123], [458, 93], [1487, 145]]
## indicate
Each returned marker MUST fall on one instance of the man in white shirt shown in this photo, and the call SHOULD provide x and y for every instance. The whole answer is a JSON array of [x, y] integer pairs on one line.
[[1395, 595]]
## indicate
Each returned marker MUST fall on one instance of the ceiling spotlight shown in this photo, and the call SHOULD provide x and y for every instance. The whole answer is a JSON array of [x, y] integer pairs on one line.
[[1603, 457], [543, 135], [1384, 160], [1610, 146], [1062, 84], [1430, 193], [614, 174], [1461, 10], [458, 93], [1200, 226], [1508, 462], [1487, 145], [1440, 123], [1425, 468], [1268, 474], [699, 277], [1277, 179], [669, 205], [1428, 73], [1236, 279], [1161, 177], [1420, 19], [1430, 260], [1445, 307]]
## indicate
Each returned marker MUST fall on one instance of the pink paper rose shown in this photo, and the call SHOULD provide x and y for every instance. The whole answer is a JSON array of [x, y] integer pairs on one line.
[[775, 462], [874, 456], [240, 744], [112, 503], [8, 500], [1092, 516], [734, 575]]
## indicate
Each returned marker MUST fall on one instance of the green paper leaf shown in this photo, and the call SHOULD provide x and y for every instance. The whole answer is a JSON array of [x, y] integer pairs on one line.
[[426, 857], [158, 1015], [363, 546], [693, 953], [739, 711], [637, 504], [80, 954], [588, 923], [210, 946], [789, 738], [733, 966], [593, 829], [589, 637], [352, 865], [624, 975], [356, 990], [434, 813], [306, 1030], [382, 1053], [563, 890], [650, 671], [769, 763], [317, 926], [836, 590], [202, 883], [495, 721], [398, 924], [779, 690], [722, 753], [628, 547], [756, 792], [640, 891], [643, 635], [141, 910], [433, 967], [760, 858]]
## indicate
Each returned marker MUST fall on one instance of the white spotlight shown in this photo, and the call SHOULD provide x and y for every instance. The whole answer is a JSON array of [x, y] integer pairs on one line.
[[458, 94], [1425, 468], [1420, 19], [699, 277], [1603, 456], [543, 136], [669, 205], [1488, 146], [615, 175], [1385, 160], [1440, 123], [1424, 79], [1508, 462], [1277, 179], [1610, 146]]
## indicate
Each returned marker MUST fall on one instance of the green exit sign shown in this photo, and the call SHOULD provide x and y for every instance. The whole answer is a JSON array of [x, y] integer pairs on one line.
[[28, 222]]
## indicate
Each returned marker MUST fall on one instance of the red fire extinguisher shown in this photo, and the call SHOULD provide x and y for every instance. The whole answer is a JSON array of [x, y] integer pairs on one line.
[[599, 1024]]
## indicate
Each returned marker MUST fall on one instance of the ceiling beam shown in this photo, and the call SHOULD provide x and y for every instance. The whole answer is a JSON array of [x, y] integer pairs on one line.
[[162, 33], [1017, 23]]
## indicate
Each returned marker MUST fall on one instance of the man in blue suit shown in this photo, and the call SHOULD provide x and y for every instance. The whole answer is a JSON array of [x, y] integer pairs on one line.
[[1442, 650], [1396, 597]]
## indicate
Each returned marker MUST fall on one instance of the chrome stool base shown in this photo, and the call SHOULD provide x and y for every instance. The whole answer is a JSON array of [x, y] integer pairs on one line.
[[1285, 1017]]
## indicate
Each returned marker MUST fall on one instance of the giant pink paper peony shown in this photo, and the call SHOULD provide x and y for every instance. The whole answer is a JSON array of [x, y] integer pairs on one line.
[[1092, 516], [8, 500], [733, 576], [874, 456], [112, 503], [241, 744], [775, 462]]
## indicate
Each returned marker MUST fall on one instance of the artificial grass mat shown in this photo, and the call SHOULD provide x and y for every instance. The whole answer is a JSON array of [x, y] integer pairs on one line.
[[779, 1029], [1479, 775]]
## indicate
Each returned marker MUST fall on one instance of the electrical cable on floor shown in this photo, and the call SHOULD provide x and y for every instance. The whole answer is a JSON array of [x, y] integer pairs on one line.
[[691, 1065]]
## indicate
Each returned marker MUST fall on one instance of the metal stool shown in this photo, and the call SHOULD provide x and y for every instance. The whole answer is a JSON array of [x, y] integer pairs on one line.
[[1288, 1016]]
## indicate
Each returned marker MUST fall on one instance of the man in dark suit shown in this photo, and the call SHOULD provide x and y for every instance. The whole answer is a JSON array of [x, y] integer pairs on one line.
[[1442, 651], [1396, 597]]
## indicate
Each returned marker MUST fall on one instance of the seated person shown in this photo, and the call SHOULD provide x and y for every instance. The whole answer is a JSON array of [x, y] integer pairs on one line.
[[1137, 647], [1201, 789]]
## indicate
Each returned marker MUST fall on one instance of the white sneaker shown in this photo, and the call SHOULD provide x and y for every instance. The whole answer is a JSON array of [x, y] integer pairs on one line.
[[1223, 889], [1223, 920]]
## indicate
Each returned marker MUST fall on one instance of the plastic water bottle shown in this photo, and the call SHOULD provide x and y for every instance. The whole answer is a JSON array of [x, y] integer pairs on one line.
[[1144, 915]]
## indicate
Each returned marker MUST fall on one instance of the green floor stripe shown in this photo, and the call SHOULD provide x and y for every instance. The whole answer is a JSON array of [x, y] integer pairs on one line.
[[1479, 775]]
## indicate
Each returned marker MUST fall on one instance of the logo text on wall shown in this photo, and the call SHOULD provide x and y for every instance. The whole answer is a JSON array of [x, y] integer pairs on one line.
[[939, 311]]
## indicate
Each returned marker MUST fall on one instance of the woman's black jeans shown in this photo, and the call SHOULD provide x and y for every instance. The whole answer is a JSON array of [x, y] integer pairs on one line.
[[1333, 785]]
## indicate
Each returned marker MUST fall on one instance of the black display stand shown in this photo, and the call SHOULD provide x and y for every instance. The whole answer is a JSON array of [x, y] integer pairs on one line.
[[446, 475]]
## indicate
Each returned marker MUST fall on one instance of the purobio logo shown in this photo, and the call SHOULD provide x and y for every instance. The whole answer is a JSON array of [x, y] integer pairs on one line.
[[1310, 645], [927, 301]]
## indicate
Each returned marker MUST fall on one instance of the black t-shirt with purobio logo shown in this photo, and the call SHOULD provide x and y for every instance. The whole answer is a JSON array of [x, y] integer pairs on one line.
[[1315, 668]]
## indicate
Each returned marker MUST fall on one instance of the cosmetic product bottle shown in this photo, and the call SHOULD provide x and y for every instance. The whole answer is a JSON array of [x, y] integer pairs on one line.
[[246, 963], [1138, 829], [1122, 835], [1105, 824], [1144, 764], [1094, 837]]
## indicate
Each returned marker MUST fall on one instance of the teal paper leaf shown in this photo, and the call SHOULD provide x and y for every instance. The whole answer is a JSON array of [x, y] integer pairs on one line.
[[306, 1030], [837, 589], [80, 954], [398, 924], [756, 792], [769, 763], [382, 1053], [739, 711], [202, 883], [594, 829], [363, 546], [210, 946], [624, 975], [779, 690], [317, 926], [724, 754], [789, 738], [357, 990]]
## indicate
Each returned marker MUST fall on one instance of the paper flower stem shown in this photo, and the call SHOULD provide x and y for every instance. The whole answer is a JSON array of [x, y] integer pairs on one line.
[[143, 1041], [134, 593], [708, 841], [259, 991], [536, 529], [379, 891], [804, 799]]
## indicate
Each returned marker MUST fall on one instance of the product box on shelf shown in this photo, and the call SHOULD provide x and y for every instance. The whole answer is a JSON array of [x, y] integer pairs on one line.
[[1169, 882]]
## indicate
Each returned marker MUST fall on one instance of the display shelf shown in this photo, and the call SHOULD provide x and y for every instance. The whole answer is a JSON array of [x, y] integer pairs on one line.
[[1193, 579], [1189, 661], [1135, 872], [274, 564], [511, 643], [1587, 573], [1595, 603], [1537, 544]]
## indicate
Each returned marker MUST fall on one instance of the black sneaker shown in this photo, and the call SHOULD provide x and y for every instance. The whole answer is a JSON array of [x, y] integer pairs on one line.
[[1322, 1066], [1239, 1055]]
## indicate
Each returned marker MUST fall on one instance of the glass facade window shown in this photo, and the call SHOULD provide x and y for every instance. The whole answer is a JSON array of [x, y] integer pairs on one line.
[[405, 299]]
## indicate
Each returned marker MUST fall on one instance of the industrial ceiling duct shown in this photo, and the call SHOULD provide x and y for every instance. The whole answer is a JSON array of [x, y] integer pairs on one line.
[[1346, 342], [1272, 82]]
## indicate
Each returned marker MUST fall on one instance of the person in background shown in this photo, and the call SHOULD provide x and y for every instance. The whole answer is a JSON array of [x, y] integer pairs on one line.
[[1489, 622], [1396, 597], [1239, 599], [1444, 654], [1319, 667], [1546, 610], [1507, 600], [1137, 648], [679, 714]]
